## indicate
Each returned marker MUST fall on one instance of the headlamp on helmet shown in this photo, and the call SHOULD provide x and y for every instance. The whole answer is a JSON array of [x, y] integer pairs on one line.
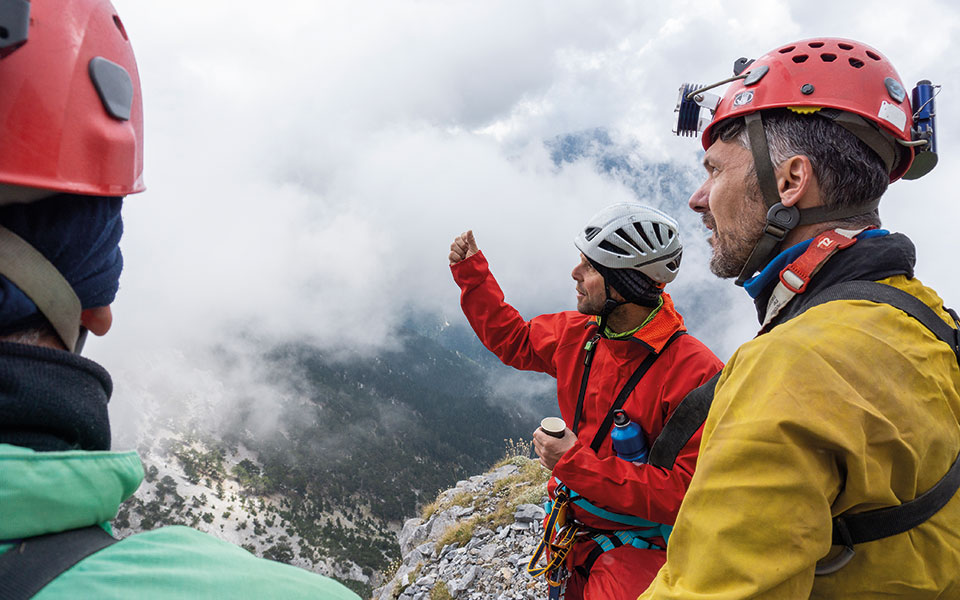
[[857, 86]]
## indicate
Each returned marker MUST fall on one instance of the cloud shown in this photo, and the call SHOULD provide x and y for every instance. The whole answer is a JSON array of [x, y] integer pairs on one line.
[[308, 165]]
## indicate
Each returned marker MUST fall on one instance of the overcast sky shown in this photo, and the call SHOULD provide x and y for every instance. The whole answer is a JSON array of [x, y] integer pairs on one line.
[[308, 162]]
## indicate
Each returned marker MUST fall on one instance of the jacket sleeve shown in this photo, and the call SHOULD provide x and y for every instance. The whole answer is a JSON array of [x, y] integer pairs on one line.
[[646, 491], [757, 515], [529, 346]]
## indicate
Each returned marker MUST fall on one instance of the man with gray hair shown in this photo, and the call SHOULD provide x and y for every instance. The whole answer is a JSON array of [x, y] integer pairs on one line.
[[828, 467]]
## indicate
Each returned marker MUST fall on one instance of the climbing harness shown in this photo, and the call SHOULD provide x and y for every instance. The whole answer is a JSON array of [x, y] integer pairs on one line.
[[607, 541], [560, 532]]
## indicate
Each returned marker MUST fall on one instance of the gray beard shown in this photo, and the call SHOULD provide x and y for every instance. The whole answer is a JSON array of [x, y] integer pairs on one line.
[[730, 256]]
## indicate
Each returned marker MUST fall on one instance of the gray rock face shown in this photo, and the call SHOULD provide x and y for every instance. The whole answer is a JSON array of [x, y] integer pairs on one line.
[[411, 535], [491, 564], [528, 513]]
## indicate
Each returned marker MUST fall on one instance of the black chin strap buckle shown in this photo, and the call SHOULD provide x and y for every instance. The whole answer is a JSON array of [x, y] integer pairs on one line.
[[780, 221]]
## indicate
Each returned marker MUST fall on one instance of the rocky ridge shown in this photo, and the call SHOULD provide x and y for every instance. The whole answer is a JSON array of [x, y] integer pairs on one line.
[[475, 540]]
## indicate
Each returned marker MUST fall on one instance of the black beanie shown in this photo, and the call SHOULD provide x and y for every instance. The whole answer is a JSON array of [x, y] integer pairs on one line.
[[634, 286]]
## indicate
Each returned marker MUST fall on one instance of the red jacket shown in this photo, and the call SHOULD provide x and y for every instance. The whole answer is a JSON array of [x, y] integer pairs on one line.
[[554, 344]]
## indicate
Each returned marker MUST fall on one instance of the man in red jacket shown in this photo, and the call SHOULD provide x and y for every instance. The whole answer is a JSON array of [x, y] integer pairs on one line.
[[624, 323]]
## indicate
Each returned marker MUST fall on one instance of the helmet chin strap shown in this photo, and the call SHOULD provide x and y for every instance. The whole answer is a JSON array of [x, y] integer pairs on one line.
[[609, 305], [36, 276], [781, 220]]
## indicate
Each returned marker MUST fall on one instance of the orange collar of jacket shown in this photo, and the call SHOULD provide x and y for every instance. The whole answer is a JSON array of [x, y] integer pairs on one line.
[[664, 323]]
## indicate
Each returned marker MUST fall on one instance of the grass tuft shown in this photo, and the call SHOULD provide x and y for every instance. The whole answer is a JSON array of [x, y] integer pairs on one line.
[[440, 592]]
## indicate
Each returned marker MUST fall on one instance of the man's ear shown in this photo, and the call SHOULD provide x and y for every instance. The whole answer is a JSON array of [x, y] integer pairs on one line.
[[796, 181], [97, 320]]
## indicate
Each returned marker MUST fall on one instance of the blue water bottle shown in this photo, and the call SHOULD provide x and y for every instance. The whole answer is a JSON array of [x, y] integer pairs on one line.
[[628, 441]]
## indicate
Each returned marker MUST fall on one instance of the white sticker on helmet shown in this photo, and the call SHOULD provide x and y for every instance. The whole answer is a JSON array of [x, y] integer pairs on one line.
[[893, 114], [743, 98]]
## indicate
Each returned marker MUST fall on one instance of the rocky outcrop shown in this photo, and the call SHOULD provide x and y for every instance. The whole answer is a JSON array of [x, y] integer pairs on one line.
[[475, 541]]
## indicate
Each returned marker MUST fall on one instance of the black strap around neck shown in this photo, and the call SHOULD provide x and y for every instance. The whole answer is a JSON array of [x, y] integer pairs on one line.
[[858, 528], [34, 562], [628, 387]]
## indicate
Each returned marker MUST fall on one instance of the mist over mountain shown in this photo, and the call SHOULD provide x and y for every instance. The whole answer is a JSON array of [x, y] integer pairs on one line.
[[315, 451]]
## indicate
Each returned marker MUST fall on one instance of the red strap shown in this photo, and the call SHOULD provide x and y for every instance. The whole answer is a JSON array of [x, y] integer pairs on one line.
[[797, 274]]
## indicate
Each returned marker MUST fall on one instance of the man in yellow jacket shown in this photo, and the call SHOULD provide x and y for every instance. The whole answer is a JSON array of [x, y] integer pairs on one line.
[[839, 406]]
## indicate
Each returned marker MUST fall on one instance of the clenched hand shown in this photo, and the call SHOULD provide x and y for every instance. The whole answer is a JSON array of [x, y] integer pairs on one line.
[[463, 246]]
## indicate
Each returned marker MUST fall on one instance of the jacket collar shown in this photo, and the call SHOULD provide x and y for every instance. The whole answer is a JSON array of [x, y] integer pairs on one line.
[[874, 257], [52, 399], [655, 333], [45, 492]]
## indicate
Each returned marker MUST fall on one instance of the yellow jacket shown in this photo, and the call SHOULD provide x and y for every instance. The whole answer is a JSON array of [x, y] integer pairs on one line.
[[850, 406]]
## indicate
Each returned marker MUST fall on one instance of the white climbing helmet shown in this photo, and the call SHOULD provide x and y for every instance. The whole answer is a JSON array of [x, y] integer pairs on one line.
[[630, 235]]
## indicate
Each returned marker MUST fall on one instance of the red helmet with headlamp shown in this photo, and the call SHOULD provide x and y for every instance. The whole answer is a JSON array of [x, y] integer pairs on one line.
[[847, 82]]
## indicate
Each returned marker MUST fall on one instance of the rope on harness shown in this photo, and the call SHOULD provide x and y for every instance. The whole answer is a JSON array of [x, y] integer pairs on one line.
[[558, 537]]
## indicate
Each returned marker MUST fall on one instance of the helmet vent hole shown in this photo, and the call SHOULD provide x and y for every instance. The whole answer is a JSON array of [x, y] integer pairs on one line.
[[591, 232], [828, 57], [643, 234], [4, 33], [856, 63], [659, 232], [119, 24], [845, 46], [873, 55], [800, 58], [816, 44], [787, 49], [605, 245]]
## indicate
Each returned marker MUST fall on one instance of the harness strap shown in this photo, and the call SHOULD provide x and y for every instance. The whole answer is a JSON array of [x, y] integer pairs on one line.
[[590, 347], [859, 528], [686, 419], [652, 527], [876, 524], [887, 294], [36, 561], [605, 542], [628, 388], [585, 568], [795, 277]]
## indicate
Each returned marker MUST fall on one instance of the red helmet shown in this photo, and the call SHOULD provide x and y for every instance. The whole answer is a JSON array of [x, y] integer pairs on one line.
[[826, 73], [71, 118]]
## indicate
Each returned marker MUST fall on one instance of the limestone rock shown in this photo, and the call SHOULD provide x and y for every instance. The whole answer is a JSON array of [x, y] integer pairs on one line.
[[491, 564]]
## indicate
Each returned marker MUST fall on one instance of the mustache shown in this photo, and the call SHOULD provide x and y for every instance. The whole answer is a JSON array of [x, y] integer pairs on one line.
[[709, 222]]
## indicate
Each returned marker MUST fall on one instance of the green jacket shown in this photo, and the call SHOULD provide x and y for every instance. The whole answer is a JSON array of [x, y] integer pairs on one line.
[[46, 492]]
